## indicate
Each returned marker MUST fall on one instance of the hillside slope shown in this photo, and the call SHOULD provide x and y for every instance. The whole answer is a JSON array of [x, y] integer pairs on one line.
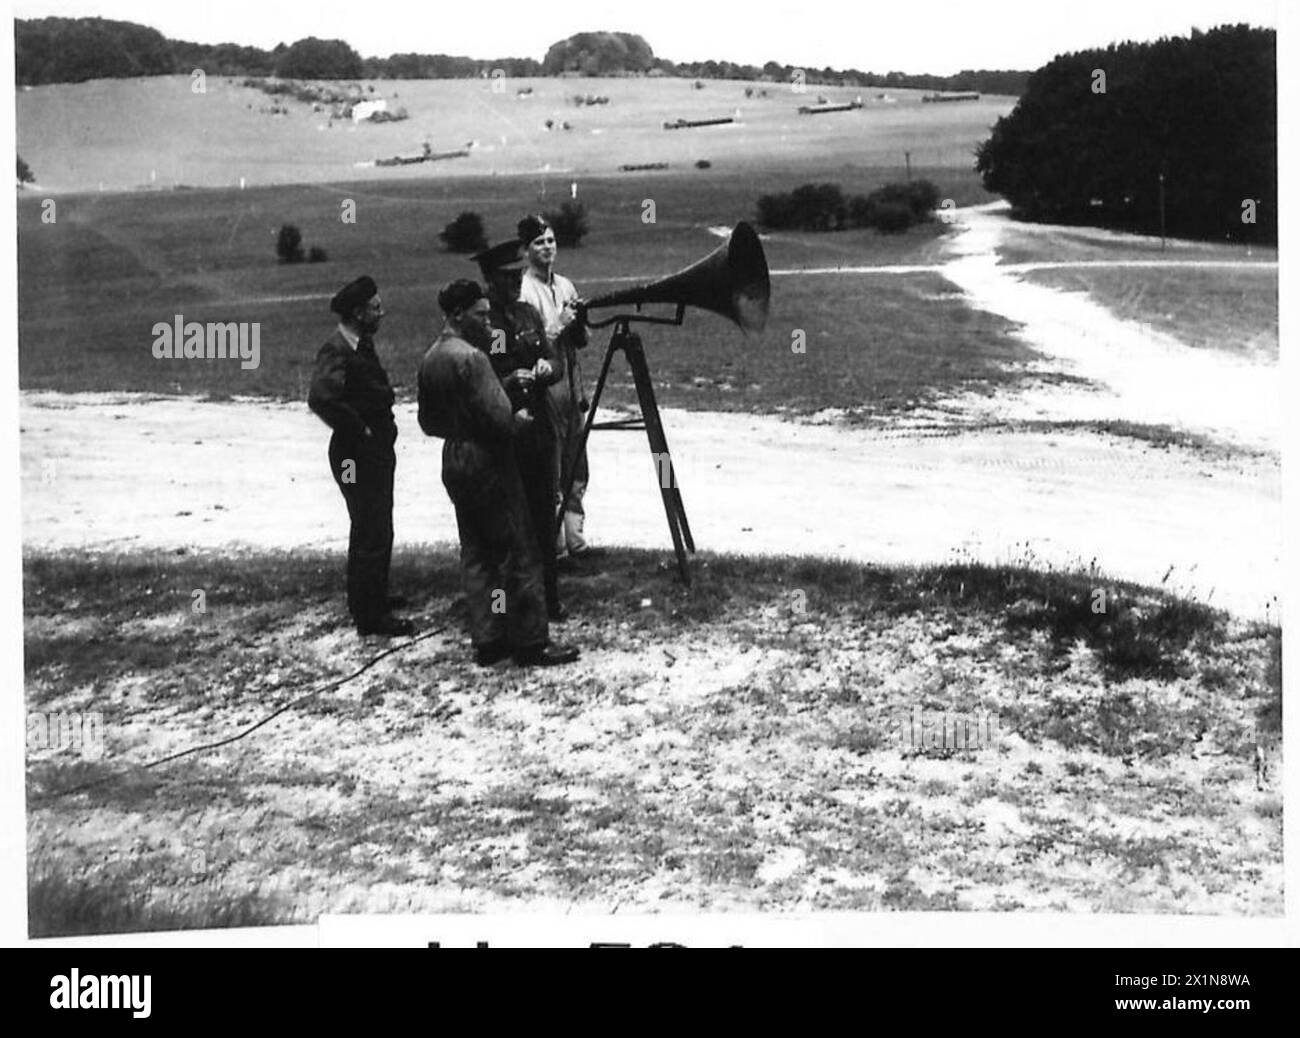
[[157, 133]]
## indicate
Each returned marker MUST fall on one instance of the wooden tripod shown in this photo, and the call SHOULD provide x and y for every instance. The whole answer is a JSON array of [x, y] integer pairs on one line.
[[624, 340]]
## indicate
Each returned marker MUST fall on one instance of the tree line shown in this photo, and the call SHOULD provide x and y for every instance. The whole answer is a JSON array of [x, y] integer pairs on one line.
[[73, 50], [1179, 134]]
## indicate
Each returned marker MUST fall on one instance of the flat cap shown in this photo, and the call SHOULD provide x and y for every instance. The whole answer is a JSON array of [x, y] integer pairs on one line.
[[354, 294]]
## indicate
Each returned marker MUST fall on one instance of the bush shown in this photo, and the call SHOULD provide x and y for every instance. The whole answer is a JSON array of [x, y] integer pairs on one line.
[[703, 164], [569, 223], [464, 234], [890, 216], [316, 255], [823, 207], [919, 197], [288, 246], [811, 207], [894, 207], [25, 174]]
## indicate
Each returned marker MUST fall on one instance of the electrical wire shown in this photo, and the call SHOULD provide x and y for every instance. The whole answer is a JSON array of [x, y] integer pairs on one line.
[[251, 728]]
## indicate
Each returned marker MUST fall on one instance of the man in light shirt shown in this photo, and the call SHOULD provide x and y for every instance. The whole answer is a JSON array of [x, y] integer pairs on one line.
[[555, 298]]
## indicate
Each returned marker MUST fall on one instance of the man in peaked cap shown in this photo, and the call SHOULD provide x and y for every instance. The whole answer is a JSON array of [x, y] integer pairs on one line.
[[351, 393], [524, 359], [556, 300], [462, 401]]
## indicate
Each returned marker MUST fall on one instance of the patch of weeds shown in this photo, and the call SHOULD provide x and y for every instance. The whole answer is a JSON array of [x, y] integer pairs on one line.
[[1139, 854], [1269, 807], [1217, 677], [102, 902], [859, 739], [903, 895]]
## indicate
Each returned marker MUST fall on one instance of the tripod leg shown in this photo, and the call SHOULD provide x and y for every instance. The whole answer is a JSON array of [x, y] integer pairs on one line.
[[615, 343], [668, 490]]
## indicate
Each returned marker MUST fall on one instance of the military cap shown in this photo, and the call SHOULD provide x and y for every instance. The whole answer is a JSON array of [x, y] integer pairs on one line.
[[532, 226], [502, 255], [354, 294]]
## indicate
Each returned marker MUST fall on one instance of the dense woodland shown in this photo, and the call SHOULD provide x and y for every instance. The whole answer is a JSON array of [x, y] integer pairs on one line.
[[72, 50], [1094, 131]]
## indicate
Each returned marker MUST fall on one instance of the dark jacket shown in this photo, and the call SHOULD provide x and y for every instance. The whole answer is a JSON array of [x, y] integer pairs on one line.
[[350, 391], [525, 344], [462, 400]]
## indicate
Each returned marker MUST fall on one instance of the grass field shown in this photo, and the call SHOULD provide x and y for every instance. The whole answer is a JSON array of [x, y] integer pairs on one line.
[[93, 284], [721, 747], [1221, 309], [128, 134]]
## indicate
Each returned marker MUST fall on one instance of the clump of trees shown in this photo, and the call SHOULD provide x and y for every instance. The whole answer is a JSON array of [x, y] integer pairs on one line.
[[73, 50], [824, 207], [465, 234], [599, 54], [314, 58], [70, 50], [1095, 132], [569, 223], [288, 247], [25, 174]]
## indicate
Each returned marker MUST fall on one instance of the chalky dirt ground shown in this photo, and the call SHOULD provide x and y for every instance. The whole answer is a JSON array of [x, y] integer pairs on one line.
[[704, 766]]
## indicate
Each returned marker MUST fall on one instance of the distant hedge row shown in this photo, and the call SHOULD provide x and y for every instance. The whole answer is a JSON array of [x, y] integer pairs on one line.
[[825, 207]]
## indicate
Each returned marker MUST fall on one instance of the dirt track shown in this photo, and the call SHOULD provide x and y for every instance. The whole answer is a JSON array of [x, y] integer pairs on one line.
[[100, 471]]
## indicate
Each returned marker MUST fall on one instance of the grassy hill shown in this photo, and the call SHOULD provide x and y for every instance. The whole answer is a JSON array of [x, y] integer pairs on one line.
[[92, 285], [115, 135]]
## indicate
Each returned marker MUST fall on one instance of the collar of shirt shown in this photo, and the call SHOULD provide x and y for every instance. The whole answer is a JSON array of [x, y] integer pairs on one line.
[[349, 336], [548, 281]]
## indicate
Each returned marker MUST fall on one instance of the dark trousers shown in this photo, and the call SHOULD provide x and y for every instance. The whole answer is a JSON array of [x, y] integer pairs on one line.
[[501, 565], [364, 473], [537, 471]]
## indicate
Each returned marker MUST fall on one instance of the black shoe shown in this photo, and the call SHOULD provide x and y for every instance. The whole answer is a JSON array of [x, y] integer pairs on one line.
[[557, 613], [493, 652], [552, 654], [387, 627]]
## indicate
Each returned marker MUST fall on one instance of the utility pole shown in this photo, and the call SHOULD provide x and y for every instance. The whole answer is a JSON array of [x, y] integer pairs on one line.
[[907, 157]]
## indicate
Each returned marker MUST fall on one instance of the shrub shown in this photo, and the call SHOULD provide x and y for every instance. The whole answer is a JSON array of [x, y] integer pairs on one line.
[[811, 207], [25, 174], [288, 246], [924, 197], [569, 223], [464, 234], [316, 255], [861, 211], [703, 164], [891, 217], [823, 207]]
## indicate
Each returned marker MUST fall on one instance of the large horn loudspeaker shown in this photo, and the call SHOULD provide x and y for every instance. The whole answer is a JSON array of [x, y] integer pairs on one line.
[[732, 281]]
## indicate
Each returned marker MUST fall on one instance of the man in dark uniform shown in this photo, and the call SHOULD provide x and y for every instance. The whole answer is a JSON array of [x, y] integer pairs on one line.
[[462, 401], [526, 362], [351, 393]]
